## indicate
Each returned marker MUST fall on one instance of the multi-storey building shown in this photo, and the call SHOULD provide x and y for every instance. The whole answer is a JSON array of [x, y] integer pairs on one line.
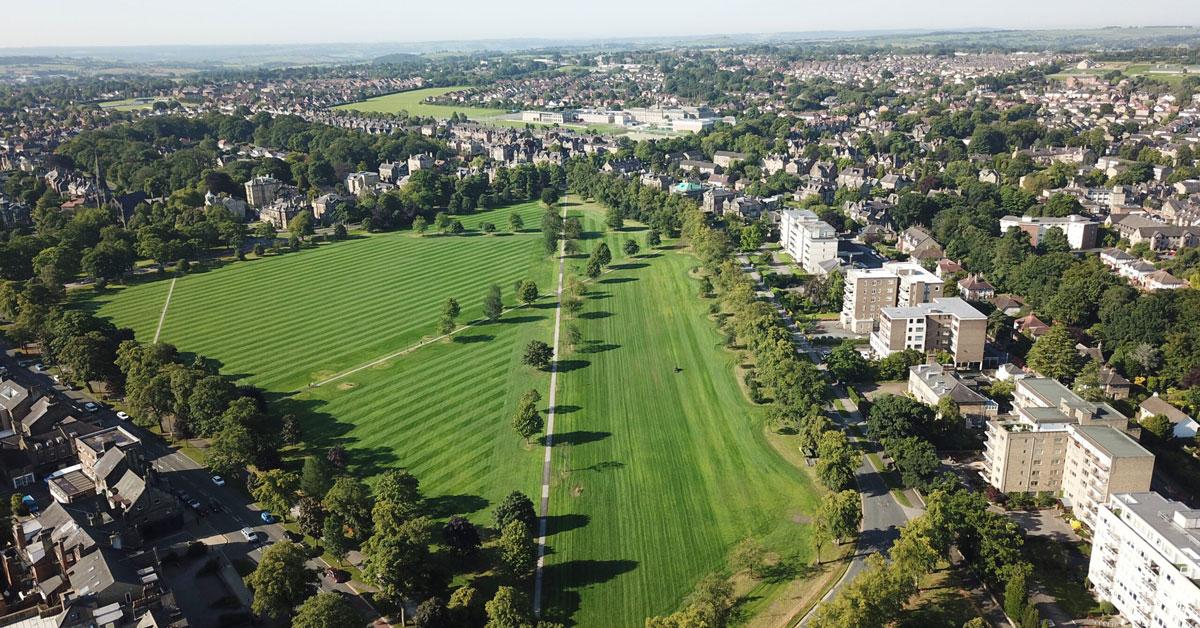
[[930, 383], [1080, 231], [359, 182], [808, 239], [261, 191], [1026, 452], [1146, 560], [945, 324], [869, 290], [1101, 461]]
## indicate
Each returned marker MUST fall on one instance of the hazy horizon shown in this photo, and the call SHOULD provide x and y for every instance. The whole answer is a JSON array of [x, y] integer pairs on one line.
[[128, 23]]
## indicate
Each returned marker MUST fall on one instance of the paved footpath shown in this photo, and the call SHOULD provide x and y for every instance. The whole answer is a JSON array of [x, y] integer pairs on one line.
[[544, 510]]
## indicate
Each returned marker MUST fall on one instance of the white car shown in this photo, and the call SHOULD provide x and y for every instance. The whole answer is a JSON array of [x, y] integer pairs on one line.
[[218, 480], [250, 534], [39, 367], [121, 415]]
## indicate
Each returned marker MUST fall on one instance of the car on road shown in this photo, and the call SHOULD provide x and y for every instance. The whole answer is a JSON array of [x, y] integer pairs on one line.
[[122, 415], [39, 367], [195, 505], [267, 517], [337, 575], [25, 363], [250, 534], [218, 480], [91, 407]]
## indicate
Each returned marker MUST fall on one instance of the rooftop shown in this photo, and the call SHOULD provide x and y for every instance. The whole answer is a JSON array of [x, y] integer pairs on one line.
[[1113, 442], [1171, 520]]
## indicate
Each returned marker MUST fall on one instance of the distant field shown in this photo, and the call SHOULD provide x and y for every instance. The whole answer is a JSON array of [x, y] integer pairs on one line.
[[132, 104], [412, 102], [658, 473]]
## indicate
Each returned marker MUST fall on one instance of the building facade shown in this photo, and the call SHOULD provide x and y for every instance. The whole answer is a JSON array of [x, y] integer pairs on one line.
[[1080, 231], [869, 290], [807, 239], [947, 324], [1146, 560], [1101, 461], [261, 191]]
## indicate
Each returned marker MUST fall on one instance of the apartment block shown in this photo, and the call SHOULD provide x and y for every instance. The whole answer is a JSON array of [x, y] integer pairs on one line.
[[1080, 231], [807, 239], [869, 290], [1146, 560], [1026, 451], [930, 383], [1100, 462], [945, 324]]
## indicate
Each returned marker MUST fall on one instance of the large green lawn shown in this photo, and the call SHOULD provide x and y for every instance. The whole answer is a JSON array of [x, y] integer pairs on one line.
[[412, 101], [658, 473]]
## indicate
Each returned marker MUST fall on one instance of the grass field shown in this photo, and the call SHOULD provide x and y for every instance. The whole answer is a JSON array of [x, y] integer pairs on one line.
[[658, 474], [412, 101]]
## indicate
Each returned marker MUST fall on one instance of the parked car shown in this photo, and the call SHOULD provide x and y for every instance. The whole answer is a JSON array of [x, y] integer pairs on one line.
[[25, 363], [250, 534], [218, 480], [39, 367], [267, 517], [121, 415], [337, 575], [195, 505], [91, 407]]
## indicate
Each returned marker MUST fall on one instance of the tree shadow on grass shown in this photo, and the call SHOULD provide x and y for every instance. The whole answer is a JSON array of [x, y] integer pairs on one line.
[[562, 523], [578, 437], [321, 431], [472, 339], [596, 294], [607, 465], [566, 366], [594, 346], [522, 319], [563, 579], [442, 506], [595, 315], [649, 255], [618, 280], [545, 305], [628, 266], [566, 409]]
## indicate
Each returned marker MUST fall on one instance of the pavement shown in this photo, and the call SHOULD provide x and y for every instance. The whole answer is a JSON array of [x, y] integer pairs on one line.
[[220, 530]]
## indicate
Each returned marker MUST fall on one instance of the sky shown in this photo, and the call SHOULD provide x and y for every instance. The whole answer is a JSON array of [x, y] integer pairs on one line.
[[40, 23]]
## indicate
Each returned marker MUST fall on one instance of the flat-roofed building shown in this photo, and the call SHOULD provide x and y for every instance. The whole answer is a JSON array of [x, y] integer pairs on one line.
[[869, 290], [946, 324], [808, 239], [1026, 451], [1146, 560], [1080, 231], [1101, 461]]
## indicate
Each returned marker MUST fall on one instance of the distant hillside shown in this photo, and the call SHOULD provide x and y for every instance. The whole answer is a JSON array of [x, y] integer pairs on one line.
[[397, 58]]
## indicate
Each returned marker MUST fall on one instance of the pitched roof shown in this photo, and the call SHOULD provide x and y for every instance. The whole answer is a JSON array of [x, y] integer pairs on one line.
[[1157, 405]]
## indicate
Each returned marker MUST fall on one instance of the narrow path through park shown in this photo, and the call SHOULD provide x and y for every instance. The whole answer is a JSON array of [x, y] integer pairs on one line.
[[544, 510], [163, 316]]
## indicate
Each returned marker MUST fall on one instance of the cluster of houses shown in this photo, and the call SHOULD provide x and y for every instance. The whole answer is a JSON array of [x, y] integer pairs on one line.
[[85, 559]]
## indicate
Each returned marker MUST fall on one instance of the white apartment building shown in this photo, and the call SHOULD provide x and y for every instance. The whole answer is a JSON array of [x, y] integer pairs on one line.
[[808, 239], [945, 324], [869, 290], [1146, 560], [1080, 231], [1026, 452], [1100, 462]]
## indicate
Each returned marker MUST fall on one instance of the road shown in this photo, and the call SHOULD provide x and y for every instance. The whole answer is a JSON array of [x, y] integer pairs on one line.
[[882, 515], [220, 530]]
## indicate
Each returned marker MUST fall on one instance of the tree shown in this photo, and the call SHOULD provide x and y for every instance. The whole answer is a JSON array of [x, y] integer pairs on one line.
[[508, 609], [420, 225], [837, 460], [1053, 355], [350, 500], [337, 457], [896, 416], [515, 507], [432, 613], [461, 536], [847, 364], [316, 476], [231, 450], [401, 489], [916, 459], [527, 292], [518, 552], [653, 238], [528, 419], [593, 268], [603, 254], [1159, 425], [549, 197], [515, 222], [327, 610], [1088, 384], [397, 565], [538, 354], [451, 308], [310, 516], [614, 218], [840, 514], [275, 490], [631, 247], [333, 535], [1016, 595], [301, 226], [281, 580], [493, 303], [464, 606], [446, 325], [749, 556]]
